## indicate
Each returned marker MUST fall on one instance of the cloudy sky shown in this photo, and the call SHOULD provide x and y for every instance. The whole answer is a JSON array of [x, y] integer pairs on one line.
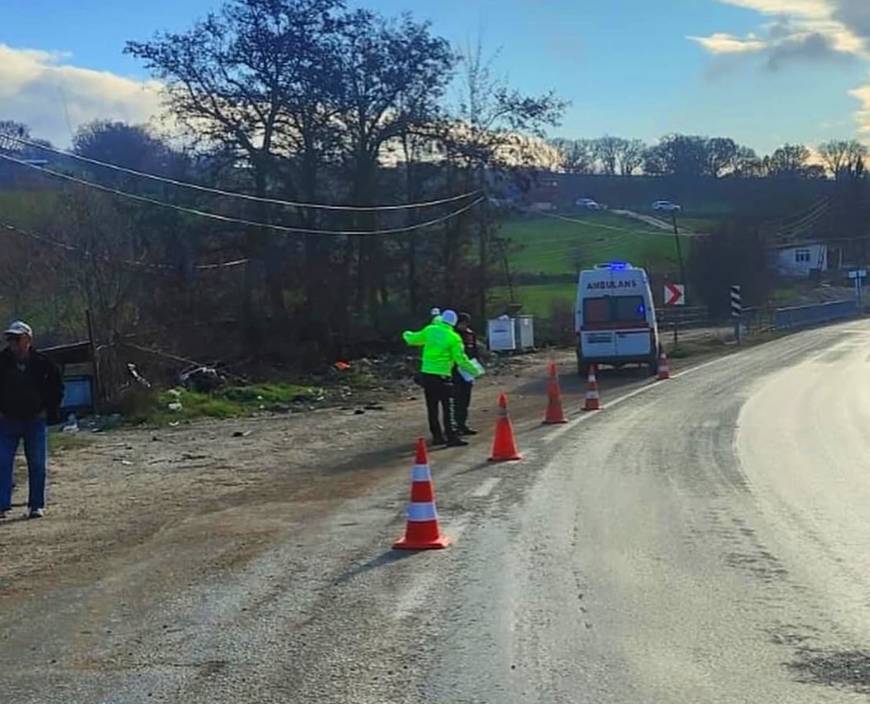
[[761, 71]]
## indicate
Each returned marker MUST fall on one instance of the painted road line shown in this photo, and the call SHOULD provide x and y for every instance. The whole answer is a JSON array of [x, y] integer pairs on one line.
[[559, 432], [486, 488], [416, 595], [457, 527]]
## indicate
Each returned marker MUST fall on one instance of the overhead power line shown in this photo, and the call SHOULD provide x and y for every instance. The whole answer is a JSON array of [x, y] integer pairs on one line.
[[241, 221], [114, 260], [820, 204], [586, 223], [243, 196]]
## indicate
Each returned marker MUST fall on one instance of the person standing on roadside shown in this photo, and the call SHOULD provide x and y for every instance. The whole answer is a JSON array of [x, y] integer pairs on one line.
[[464, 382], [31, 391], [442, 350]]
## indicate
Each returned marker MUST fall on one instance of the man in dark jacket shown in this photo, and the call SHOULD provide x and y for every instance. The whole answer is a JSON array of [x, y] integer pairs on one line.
[[31, 391], [462, 383]]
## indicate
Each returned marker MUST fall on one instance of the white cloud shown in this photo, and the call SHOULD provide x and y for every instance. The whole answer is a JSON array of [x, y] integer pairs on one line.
[[801, 29], [724, 43], [862, 116], [806, 31], [50, 95], [819, 9]]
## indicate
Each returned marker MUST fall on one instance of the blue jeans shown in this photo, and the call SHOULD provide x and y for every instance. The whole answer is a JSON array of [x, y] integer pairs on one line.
[[33, 432]]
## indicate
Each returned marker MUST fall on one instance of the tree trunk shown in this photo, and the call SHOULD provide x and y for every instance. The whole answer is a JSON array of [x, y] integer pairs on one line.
[[412, 193], [412, 273]]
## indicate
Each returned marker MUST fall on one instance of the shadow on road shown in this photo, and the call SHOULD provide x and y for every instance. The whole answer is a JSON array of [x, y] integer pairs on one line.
[[838, 669], [387, 558]]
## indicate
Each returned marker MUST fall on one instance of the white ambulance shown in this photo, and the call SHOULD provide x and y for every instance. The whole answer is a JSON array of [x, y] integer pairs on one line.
[[616, 318]]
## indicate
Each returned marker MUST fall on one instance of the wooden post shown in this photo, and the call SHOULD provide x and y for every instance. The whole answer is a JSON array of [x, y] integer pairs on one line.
[[98, 386]]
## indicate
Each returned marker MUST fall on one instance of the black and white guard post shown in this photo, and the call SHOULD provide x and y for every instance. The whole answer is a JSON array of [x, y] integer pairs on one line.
[[737, 310], [858, 276]]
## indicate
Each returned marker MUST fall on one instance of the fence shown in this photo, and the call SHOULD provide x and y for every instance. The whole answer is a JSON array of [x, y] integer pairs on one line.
[[805, 316], [683, 316]]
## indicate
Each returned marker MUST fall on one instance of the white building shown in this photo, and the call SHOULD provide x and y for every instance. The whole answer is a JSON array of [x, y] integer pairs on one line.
[[800, 259]]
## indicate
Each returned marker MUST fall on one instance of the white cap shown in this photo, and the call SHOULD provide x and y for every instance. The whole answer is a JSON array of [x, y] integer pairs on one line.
[[449, 317], [19, 327], [435, 311]]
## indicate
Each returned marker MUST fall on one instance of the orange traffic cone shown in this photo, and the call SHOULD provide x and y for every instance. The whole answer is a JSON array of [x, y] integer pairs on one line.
[[664, 367], [421, 528], [593, 397], [504, 446], [555, 414]]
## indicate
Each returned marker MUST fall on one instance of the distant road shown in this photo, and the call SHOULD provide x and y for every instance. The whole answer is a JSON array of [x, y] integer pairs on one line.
[[656, 222]]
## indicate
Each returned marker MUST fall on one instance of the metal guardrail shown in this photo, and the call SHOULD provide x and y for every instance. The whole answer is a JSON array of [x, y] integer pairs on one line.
[[805, 316], [685, 317]]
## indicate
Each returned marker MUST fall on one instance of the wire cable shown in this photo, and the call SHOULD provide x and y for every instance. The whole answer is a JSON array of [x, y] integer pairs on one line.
[[243, 196], [124, 262], [241, 221], [660, 233]]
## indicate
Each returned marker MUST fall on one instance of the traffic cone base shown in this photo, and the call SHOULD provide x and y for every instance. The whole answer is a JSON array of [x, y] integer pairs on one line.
[[664, 368], [555, 413], [504, 445], [421, 528], [439, 543]]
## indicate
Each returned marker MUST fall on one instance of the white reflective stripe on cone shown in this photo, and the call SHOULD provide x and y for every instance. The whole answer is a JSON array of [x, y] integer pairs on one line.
[[421, 473], [422, 512]]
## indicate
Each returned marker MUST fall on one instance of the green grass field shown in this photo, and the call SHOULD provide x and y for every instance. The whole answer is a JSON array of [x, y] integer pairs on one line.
[[549, 246], [703, 225], [537, 299]]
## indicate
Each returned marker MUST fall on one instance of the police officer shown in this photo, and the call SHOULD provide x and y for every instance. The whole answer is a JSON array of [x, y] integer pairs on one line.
[[442, 350], [462, 384]]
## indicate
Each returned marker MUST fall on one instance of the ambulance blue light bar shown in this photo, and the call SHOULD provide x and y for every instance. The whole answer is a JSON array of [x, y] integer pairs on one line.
[[619, 266]]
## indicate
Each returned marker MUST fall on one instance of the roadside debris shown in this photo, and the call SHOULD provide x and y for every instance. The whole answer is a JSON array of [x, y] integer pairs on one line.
[[202, 379]]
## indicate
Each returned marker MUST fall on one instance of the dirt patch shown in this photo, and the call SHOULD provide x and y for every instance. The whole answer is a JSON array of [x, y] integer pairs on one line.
[[186, 501], [208, 491]]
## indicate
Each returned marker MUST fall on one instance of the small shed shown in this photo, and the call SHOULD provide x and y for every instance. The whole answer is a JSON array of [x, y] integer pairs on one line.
[[80, 378]]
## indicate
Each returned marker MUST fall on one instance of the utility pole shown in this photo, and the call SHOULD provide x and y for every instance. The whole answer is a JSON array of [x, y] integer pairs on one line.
[[679, 249]]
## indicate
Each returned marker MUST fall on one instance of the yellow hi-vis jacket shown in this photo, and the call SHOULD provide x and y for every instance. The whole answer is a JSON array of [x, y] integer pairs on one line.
[[442, 348]]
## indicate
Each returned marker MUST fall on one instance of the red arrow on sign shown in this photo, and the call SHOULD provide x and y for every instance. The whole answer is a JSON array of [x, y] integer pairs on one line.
[[675, 295]]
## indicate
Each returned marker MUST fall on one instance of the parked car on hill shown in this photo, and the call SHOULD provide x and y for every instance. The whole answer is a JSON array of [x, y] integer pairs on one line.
[[665, 206]]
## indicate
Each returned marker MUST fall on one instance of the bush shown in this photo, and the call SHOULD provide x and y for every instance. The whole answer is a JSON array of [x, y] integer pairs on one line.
[[733, 255]]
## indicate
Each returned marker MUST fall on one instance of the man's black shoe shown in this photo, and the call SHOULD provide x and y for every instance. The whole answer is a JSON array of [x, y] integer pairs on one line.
[[456, 442], [438, 440], [467, 431]]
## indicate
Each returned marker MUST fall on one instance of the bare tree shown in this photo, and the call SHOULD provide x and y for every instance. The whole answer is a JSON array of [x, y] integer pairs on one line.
[[393, 74], [480, 140], [608, 150], [578, 155], [721, 156], [631, 156], [747, 163], [792, 161], [233, 81], [843, 158]]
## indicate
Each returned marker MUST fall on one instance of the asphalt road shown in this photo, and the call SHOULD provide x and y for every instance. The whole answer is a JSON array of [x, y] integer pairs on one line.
[[706, 539]]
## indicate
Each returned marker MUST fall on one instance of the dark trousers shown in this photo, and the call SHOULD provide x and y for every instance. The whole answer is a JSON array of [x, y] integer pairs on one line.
[[439, 397], [33, 433], [462, 391]]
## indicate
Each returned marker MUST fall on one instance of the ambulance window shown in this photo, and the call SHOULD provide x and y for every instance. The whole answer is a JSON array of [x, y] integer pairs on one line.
[[596, 310], [629, 309]]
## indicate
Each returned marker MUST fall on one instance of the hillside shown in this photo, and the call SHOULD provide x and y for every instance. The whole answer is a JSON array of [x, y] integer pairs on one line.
[[545, 254]]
